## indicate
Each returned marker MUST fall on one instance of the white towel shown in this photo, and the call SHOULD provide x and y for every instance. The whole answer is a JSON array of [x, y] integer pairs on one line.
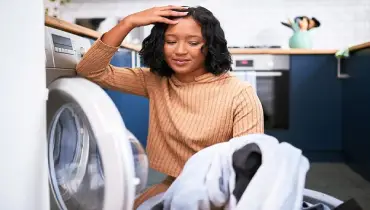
[[279, 182], [208, 178]]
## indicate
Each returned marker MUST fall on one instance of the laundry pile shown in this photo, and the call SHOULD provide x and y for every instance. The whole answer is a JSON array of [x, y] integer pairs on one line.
[[253, 172]]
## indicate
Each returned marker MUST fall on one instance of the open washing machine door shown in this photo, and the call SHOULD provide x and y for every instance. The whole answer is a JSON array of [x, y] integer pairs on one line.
[[94, 161]]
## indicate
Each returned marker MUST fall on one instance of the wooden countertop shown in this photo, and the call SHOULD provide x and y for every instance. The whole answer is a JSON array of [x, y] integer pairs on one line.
[[282, 51], [296, 51], [79, 30], [359, 46]]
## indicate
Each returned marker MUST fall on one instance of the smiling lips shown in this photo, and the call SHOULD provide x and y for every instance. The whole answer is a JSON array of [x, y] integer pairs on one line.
[[181, 62]]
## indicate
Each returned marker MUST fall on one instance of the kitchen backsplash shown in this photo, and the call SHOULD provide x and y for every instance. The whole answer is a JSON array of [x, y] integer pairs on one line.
[[343, 22]]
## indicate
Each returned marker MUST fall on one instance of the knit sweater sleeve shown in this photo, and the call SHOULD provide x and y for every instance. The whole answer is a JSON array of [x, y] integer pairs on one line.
[[96, 67], [248, 113]]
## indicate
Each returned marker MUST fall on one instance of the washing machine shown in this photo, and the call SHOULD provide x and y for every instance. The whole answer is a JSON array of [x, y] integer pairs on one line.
[[94, 161]]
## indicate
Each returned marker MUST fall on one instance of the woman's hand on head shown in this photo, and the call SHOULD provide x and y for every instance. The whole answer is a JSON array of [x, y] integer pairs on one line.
[[117, 34], [156, 15]]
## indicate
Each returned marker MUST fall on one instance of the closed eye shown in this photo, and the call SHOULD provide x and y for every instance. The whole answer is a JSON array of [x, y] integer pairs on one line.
[[170, 42], [194, 43]]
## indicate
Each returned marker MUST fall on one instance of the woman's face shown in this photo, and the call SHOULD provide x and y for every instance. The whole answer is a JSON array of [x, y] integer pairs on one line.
[[183, 48]]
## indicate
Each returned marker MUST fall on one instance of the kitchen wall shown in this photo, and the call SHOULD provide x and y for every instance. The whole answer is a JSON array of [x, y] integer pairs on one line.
[[344, 22]]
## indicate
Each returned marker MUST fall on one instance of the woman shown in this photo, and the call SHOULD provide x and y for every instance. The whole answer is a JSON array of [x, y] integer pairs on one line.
[[194, 102]]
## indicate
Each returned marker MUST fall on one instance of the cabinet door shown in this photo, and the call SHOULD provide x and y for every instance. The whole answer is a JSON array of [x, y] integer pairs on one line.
[[315, 104], [356, 112]]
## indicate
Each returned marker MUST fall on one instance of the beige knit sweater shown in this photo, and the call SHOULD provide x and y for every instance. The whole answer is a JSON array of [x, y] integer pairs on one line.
[[184, 117]]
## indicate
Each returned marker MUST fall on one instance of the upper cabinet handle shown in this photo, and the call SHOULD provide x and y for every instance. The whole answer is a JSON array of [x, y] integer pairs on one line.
[[339, 74]]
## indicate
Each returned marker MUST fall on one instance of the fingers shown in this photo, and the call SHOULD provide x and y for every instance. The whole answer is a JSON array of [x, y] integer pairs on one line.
[[172, 13], [170, 7], [168, 11]]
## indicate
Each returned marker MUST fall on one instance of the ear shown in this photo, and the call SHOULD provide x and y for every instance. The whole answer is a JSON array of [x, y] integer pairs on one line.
[[204, 50]]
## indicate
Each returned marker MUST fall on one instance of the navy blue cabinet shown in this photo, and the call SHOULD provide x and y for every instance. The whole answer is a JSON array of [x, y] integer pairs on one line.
[[315, 107], [356, 112], [133, 109]]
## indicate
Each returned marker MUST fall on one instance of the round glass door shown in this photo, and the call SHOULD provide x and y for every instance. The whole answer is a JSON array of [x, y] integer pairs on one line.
[[75, 171], [141, 163], [75, 166], [94, 161]]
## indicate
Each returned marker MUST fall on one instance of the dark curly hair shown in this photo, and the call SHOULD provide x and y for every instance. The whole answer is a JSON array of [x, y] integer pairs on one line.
[[217, 56]]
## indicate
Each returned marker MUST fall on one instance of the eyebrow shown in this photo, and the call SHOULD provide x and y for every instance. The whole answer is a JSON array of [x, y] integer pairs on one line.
[[189, 36]]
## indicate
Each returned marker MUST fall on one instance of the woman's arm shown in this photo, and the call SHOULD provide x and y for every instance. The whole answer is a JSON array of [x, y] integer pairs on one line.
[[248, 113], [96, 66], [117, 34]]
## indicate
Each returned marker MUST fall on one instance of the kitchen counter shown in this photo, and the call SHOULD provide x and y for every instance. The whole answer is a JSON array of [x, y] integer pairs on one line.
[[296, 51], [359, 46], [277, 51], [79, 30]]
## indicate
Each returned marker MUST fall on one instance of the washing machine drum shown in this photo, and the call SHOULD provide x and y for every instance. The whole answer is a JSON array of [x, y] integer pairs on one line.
[[76, 171]]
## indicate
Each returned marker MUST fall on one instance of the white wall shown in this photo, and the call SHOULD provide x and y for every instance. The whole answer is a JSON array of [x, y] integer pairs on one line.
[[344, 22], [23, 145]]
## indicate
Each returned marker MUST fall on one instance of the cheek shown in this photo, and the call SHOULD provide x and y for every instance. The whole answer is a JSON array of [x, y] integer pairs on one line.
[[198, 55]]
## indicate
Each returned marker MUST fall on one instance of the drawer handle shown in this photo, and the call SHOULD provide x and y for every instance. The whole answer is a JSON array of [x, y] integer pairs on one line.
[[339, 73]]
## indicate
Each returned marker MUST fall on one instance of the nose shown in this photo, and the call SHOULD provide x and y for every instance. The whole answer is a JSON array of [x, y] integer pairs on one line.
[[181, 49]]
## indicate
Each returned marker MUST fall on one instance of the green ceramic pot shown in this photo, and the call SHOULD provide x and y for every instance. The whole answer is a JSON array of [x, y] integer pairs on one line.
[[301, 39]]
